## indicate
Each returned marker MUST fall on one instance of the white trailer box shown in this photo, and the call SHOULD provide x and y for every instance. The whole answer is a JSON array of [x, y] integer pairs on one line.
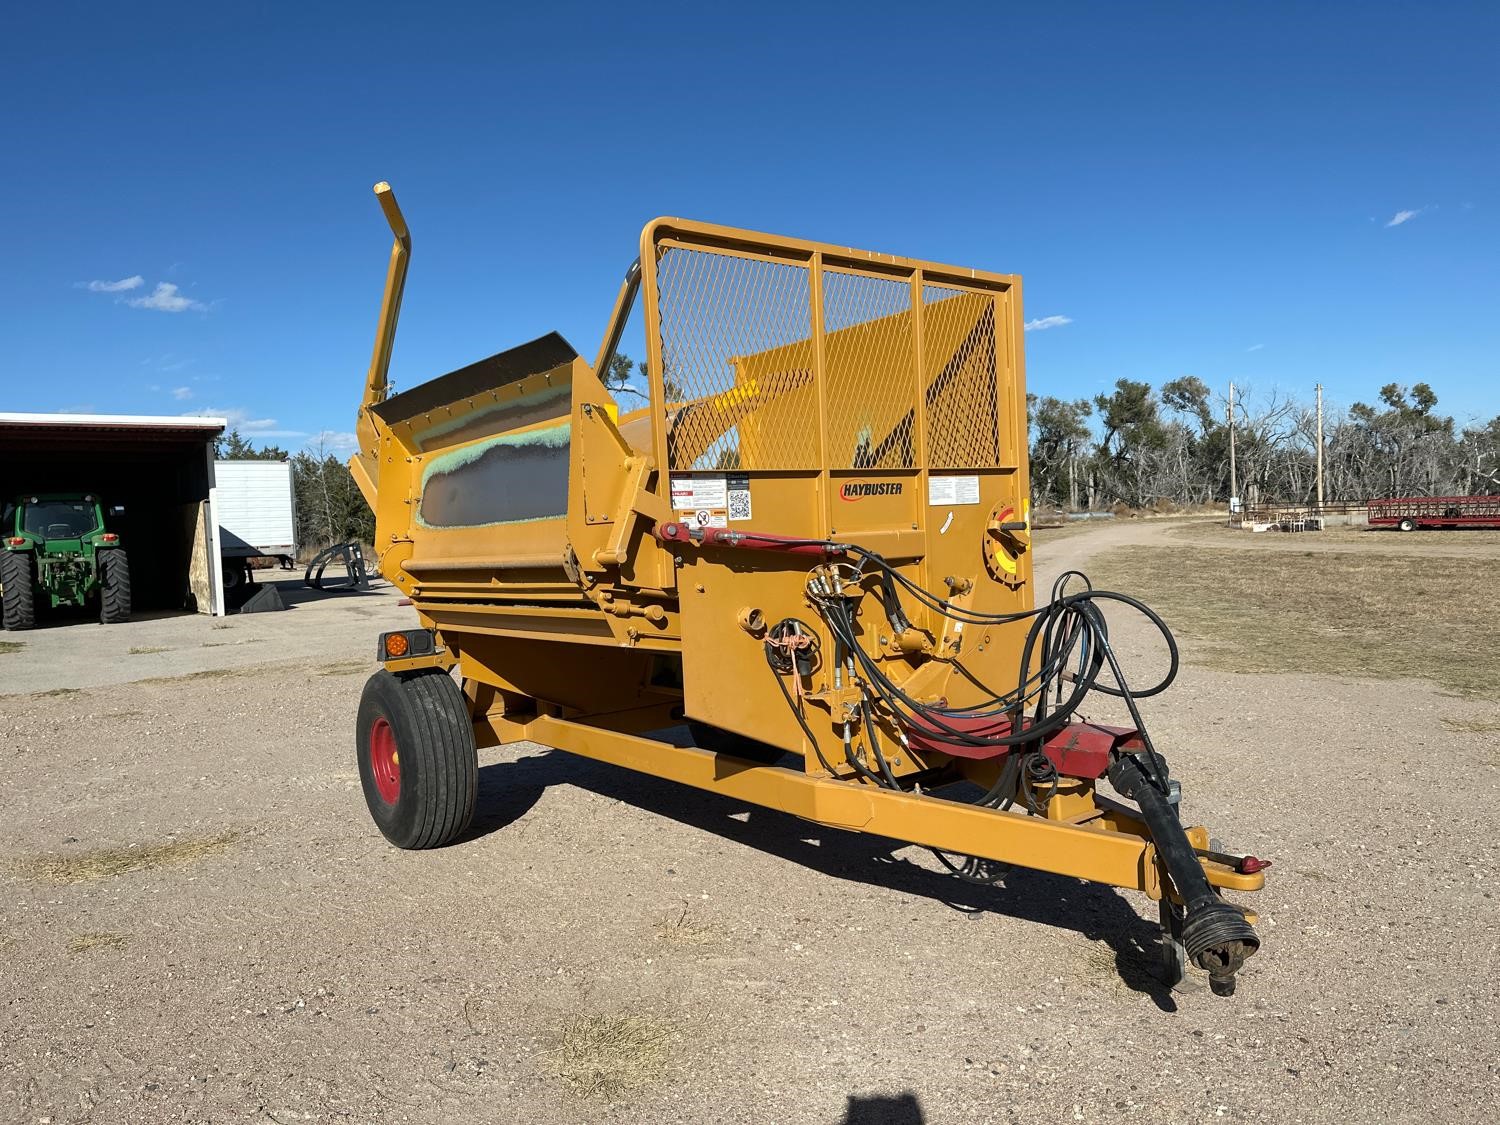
[[256, 510]]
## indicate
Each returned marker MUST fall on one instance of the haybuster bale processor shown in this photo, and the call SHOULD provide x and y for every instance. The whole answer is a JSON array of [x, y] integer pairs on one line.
[[811, 546]]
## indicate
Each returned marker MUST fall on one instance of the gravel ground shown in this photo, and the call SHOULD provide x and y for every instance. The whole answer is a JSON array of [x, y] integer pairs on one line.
[[201, 924]]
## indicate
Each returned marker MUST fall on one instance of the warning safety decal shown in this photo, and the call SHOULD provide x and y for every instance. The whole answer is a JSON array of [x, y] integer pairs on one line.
[[952, 491], [711, 499]]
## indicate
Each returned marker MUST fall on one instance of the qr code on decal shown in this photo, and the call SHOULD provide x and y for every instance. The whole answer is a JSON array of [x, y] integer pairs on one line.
[[739, 504]]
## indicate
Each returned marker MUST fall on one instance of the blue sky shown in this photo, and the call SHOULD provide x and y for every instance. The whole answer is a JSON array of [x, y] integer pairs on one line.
[[1204, 189]]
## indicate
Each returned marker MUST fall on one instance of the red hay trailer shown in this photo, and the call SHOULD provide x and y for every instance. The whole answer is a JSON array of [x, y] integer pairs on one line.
[[1435, 512]]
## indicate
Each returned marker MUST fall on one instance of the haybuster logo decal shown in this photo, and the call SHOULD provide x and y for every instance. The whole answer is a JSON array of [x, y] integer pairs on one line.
[[859, 489]]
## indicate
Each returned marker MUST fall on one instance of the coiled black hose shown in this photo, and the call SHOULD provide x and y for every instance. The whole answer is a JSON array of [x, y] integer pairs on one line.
[[1068, 634]]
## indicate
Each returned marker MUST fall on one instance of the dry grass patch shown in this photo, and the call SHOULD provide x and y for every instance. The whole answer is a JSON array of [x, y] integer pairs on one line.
[[1379, 540], [607, 1054], [1122, 971], [145, 650], [57, 692], [1101, 966], [201, 674], [1472, 726], [347, 668], [99, 939], [1050, 534], [10, 646], [678, 929], [1341, 614], [104, 863]]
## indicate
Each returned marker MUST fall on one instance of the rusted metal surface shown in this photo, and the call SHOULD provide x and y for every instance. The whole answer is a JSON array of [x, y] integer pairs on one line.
[[1435, 511]]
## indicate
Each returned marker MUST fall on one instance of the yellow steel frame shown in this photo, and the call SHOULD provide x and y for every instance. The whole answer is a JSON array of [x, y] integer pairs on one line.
[[1110, 849]]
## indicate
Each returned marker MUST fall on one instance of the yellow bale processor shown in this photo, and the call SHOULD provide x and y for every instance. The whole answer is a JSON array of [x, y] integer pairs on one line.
[[809, 542]]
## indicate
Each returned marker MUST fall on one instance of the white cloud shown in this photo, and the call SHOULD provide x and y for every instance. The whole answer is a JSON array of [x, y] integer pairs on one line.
[[165, 298], [135, 281], [239, 419], [182, 394], [336, 442], [1045, 322], [1254, 347], [1404, 217], [262, 431]]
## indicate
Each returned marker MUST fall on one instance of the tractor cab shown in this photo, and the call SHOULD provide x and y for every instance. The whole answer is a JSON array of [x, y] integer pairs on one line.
[[54, 520]]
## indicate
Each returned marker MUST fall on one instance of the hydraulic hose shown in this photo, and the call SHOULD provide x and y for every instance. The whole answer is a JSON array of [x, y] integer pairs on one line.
[[1216, 934], [1069, 632]]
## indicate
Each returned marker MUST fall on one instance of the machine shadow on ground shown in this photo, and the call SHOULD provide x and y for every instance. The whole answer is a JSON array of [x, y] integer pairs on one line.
[[294, 592], [65, 617], [508, 790], [884, 1109]]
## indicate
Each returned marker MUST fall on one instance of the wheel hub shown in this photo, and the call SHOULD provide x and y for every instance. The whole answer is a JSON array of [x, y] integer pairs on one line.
[[385, 761]]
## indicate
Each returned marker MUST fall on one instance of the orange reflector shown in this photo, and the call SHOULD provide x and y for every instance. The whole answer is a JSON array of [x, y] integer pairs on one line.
[[110, 537], [395, 644], [17, 541]]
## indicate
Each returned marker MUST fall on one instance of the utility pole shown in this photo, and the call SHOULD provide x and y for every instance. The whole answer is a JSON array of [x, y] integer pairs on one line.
[[1234, 488], [1320, 448], [1072, 480]]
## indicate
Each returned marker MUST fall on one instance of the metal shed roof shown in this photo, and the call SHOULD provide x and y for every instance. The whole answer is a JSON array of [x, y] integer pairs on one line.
[[100, 430]]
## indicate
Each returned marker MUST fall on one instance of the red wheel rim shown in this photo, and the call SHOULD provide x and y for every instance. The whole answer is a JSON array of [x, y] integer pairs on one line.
[[385, 761]]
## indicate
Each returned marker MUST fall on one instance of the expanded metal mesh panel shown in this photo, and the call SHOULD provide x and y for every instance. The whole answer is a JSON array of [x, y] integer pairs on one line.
[[743, 384], [870, 366], [958, 339], [736, 350]]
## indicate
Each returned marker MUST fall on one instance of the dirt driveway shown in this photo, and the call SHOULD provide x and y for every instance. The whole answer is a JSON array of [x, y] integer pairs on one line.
[[200, 923]]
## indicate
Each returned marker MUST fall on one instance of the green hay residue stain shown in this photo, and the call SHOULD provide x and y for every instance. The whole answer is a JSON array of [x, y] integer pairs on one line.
[[552, 437]]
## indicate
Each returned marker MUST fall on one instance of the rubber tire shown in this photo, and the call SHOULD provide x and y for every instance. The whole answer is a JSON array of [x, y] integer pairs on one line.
[[439, 763], [18, 577], [234, 576], [1407, 525], [730, 744], [114, 587]]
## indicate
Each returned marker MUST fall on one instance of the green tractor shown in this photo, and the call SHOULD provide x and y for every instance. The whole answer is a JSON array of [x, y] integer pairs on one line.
[[56, 552]]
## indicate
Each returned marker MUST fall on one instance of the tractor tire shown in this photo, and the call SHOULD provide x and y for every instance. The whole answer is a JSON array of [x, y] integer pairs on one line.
[[114, 587], [418, 764], [730, 744], [18, 580], [1407, 525]]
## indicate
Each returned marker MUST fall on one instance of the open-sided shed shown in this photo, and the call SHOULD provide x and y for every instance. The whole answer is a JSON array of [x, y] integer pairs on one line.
[[153, 473]]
